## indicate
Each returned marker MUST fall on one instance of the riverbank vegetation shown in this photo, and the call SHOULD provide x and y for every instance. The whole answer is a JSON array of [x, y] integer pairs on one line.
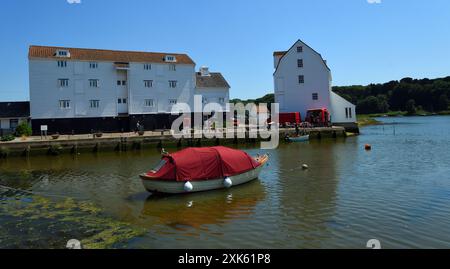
[[366, 120], [413, 96]]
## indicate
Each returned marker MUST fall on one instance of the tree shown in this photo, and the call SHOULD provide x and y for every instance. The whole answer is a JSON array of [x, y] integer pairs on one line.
[[373, 104], [443, 102], [23, 129], [411, 107]]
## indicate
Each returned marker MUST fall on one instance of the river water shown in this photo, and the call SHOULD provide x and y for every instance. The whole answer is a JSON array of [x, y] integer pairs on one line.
[[398, 193]]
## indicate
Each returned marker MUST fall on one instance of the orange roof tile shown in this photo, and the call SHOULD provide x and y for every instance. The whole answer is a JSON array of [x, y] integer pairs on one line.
[[106, 55]]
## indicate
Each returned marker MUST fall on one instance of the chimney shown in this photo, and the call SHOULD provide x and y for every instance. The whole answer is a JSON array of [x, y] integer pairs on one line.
[[204, 71]]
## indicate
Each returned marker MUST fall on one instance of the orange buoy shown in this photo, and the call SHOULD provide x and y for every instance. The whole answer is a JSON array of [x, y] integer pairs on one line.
[[367, 147]]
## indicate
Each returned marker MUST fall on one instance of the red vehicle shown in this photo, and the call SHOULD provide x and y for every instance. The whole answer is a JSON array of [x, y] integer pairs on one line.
[[319, 117], [289, 118]]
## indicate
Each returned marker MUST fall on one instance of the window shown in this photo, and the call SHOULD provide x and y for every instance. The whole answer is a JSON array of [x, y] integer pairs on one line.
[[122, 100], [172, 101], [93, 65], [64, 104], [62, 53], [94, 103], [147, 67], [62, 63], [315, 96], [148, 83], [63, 82], [149, 102], [300, 49], [93, 83], [204, 100], [221, 100], [301, 79], [172, 67], [350, 112], [13, 123], [172, 83], [346, 112], [121, 82], [300, 63], [170, 58], [119, 101]]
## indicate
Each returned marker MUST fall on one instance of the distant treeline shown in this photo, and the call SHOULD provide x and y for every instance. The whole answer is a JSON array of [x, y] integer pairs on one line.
[[408, 94], [267, 99], [405, 95]]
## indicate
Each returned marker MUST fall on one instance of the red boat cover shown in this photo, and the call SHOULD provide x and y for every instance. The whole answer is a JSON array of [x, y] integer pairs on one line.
[[204, 163]]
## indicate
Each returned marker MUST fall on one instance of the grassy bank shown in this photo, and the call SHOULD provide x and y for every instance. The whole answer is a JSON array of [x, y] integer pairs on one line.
[[366, 120], [369, 119]]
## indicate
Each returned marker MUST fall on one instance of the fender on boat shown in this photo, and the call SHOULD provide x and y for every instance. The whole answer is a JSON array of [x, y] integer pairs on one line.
[[188, 187], [227, 182]]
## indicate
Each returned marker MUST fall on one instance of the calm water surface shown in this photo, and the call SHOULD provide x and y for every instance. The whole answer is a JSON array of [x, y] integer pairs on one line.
[[398, 193]]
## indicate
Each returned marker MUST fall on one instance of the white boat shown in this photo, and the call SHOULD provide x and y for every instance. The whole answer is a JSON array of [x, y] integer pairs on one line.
[[156, 181], [302, 138]]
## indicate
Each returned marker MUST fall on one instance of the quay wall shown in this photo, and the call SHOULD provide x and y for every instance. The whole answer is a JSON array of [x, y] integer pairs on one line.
[[119, 142]]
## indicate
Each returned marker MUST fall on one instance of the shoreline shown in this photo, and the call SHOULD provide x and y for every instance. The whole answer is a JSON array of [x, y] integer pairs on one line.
[[369, 119]]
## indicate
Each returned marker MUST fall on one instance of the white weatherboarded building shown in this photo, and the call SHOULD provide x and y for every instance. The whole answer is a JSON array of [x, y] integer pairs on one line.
[[303, 81], [76, 90]]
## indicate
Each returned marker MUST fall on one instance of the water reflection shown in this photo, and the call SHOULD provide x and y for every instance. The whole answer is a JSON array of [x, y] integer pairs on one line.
[[198, 210]]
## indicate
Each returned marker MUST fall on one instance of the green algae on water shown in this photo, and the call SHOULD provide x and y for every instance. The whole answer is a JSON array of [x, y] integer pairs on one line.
[[40, 222]]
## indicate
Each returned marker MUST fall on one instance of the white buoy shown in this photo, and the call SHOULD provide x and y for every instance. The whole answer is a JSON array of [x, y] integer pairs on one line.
[[227, 182], [305, 166], [73, 244], [188, 186]]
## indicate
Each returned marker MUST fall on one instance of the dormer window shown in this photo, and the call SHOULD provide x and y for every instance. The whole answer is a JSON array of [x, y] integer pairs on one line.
[[62, 53], [93, 65], [170, 58]]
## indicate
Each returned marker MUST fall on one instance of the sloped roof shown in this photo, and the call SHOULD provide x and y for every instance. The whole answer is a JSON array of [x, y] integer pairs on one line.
[[283, 53], [279, 53], [106, 55], [214, 80], [14, 109]]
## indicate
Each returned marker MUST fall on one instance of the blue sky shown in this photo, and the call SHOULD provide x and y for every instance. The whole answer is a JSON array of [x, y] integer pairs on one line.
[[362, 42]]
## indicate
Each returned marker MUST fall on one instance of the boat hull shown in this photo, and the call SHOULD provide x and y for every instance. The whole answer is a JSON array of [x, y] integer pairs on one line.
[[176, 187]]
